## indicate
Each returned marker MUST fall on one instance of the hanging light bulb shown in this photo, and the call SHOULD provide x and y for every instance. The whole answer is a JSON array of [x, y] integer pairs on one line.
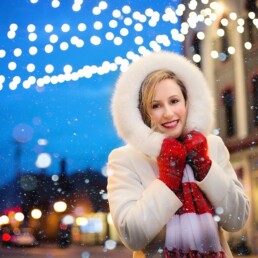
[[214, 54], [231, 50], [224, 22], [251, 15], [200, 35], [248, 45], [233, 16], [220, 32]]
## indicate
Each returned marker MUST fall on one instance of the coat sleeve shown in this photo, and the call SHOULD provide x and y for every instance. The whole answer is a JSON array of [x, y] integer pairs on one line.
[[139, 212], [223, 189]]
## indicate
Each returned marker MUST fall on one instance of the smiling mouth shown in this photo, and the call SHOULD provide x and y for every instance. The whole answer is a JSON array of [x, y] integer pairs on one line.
[[170, 124]]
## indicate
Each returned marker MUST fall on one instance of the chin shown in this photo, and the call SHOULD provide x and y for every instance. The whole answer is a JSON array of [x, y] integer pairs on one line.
[[174, 135]]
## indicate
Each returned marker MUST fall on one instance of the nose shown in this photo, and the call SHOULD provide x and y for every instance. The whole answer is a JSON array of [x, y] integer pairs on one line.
[[168, 112]]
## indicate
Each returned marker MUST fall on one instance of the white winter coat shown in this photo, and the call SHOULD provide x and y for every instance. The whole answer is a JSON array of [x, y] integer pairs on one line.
[[141, 205]]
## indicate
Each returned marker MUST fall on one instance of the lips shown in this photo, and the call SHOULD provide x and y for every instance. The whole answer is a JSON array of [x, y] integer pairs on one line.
[[170, 124]]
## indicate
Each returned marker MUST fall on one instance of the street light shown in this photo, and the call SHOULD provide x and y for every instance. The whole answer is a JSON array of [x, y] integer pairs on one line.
[[19, 216], [4, 220], [36, 214], [68, 220], [81, 221], [60, 206]]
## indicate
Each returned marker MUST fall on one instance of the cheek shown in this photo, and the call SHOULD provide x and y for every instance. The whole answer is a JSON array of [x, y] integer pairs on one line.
[[155, 116], [182, 111]]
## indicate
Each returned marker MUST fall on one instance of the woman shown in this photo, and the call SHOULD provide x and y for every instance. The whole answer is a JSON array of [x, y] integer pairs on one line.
[[171, 189]]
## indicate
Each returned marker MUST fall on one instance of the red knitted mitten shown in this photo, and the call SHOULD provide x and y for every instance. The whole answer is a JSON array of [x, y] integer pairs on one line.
[[171, 163], [197, 154]]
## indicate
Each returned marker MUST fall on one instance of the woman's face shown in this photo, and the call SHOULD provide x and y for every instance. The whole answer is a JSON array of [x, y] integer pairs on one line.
[[168, 111]]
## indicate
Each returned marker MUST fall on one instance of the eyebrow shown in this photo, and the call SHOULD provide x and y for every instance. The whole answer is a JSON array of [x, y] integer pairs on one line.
[[173, 96]]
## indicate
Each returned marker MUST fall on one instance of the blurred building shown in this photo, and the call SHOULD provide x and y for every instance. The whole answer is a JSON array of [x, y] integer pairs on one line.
[[225, 47], [84, 217]]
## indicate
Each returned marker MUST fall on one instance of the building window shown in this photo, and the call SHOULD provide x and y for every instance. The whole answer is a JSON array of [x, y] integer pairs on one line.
[[196, 48], [224, 55], [251, 7], [229, 100], [250, 30], [254, 106]]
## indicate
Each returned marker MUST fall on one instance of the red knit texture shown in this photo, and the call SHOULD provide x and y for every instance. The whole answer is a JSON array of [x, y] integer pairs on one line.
[[193, 254], [197, 154], [171, 163], [194, 200]]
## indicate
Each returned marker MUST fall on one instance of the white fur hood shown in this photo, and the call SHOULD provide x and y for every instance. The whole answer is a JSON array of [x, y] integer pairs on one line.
[[126, 115]]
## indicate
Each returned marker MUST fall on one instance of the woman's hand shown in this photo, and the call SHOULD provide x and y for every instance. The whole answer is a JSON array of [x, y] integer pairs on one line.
[[171, 163], [197, 153]]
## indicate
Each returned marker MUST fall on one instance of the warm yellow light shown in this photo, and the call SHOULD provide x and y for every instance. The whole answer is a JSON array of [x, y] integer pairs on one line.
[[231, 50], [60, 206], [4, 220], [36, 214], [11, 214], [81, 221], [19, 216], [214, 54]]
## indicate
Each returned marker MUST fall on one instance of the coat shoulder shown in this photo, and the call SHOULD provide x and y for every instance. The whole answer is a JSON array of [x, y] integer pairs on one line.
[[217, 148], [214, 139], [126, 153]]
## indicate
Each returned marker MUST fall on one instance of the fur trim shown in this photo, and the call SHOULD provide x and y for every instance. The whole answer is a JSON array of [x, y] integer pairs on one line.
[[127, 118]]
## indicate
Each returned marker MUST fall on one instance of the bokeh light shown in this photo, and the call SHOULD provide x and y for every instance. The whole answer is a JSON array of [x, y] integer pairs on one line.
[[68, 220], [23, 133], [36, 214], [60, 206], [121, 24], [19, 216], [43, 160]]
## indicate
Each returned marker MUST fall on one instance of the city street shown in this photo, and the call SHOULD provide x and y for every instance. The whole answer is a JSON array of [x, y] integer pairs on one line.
[[74, 251]]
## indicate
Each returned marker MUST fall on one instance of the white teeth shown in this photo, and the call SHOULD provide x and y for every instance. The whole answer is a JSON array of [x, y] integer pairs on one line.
[[170, 124]]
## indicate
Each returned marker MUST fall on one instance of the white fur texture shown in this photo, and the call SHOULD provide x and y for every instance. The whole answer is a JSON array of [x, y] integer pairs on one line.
[[127, 118]]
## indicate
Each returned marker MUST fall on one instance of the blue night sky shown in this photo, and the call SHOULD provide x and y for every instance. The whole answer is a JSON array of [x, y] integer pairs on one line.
[[71, 117]]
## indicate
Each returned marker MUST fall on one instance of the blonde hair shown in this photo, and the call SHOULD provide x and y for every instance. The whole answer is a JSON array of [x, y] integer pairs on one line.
[[147, 90]]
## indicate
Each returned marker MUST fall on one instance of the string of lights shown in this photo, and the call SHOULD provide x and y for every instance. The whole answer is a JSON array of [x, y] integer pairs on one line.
[[120, 23]]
